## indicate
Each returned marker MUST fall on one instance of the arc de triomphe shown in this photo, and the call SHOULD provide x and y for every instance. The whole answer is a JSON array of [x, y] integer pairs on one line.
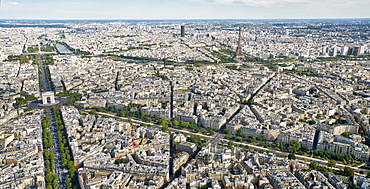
[[48, 97]]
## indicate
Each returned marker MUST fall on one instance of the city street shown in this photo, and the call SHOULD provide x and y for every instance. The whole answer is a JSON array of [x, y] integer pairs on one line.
[[55, 149], [59, 168]]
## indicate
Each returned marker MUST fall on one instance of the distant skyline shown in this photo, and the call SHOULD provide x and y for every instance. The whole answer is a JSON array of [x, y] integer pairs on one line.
[[183, 9]]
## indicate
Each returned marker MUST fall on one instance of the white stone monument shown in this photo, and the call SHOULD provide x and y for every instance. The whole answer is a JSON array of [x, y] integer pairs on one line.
[[48, 97]]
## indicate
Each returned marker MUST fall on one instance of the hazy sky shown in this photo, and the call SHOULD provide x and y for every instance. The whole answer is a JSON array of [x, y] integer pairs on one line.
[[183, 9]]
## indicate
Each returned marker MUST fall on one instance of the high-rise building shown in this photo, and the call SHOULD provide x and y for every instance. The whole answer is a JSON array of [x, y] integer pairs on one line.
[[357, 51], [182, 31], [351, 51], [333, 51], [362, 49], [324, 51], [344, 51], [239, 53]]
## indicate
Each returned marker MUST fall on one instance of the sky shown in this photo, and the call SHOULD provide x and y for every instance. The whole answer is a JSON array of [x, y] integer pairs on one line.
[[183, 9]]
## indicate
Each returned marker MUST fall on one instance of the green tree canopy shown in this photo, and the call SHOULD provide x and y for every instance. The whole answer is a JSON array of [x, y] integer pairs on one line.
[[348, 171], [313, 165], [331, 163], [291, 156]]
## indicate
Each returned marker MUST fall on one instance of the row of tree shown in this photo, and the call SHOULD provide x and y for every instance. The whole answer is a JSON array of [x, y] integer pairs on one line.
[[72, 97], [199, 141], [133, 111], [240, 137], [20, 101], [71, 180], [23, 58], [292, 147], [126, 112], [51, 179], [339, 157], [46, 134]]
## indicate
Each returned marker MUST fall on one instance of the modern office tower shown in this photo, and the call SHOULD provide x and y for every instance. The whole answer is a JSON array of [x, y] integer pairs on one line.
[[357, 51], [362, 49], [344, 51], [239, 53], [324, 51], [333, 51], [182, 31], [351, 51]]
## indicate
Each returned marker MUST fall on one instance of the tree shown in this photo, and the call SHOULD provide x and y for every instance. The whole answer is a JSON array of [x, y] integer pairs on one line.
[[311, 122], [176, 123], [119, 161], [331, 163], [281, 146], [49, 178], [294, 147], [260, 138], [322, 169], [348, 171], [230, 144], [313, 165], [226, 131], [71, 172], [52, 164], [163, 122], [197, 140], [55, 184], [184, 124], [252, 139], [368, 174], [93, 112], [19, 102], [291, 156], [70, 164], [122, 113], [165, 128]]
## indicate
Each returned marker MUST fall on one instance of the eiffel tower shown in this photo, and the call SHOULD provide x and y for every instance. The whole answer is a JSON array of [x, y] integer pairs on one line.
[[239, 53]]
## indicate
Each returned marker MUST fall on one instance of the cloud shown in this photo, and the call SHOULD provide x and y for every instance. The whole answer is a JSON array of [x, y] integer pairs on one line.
[[14, 3], [75, 3], [269, 3], [258, 3]]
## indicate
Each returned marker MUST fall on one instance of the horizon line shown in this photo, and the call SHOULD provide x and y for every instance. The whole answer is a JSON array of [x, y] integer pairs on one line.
[[173, 19]]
